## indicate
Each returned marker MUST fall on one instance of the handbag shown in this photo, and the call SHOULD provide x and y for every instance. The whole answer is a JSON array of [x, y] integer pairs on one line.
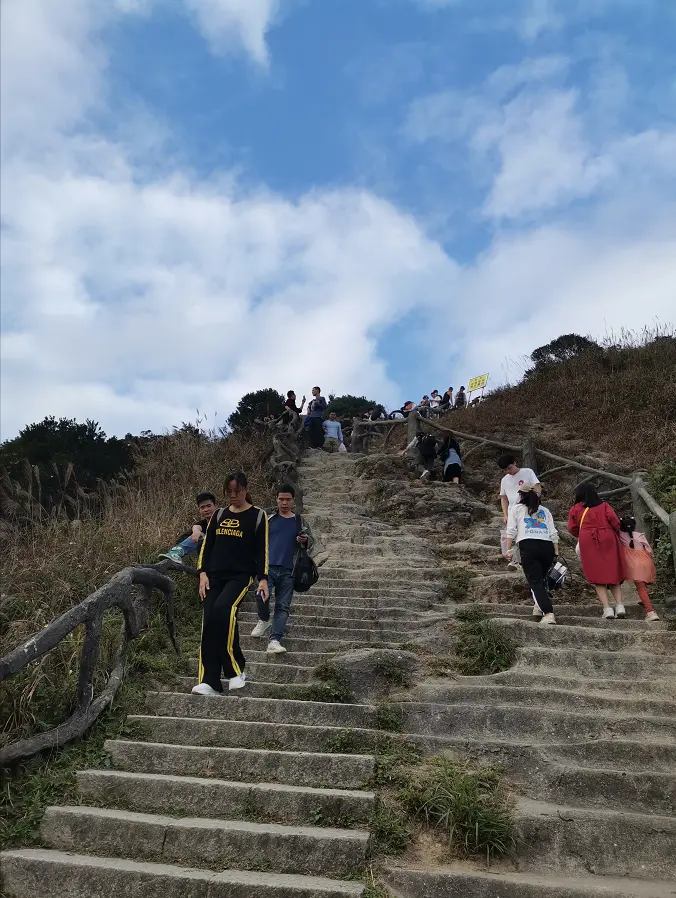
[[577, 544]]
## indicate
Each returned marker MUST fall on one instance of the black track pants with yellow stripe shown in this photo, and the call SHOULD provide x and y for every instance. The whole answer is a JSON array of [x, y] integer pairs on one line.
[[220, 650]]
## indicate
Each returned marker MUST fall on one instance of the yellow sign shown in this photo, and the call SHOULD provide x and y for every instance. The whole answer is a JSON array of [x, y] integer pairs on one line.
[[477, 383]]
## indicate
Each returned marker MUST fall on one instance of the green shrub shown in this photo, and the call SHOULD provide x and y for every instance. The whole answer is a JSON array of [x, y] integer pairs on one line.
[[481, 646]]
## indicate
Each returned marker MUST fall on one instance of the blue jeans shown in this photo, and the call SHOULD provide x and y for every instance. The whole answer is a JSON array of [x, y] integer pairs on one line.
[[280, 581], [189, 546]]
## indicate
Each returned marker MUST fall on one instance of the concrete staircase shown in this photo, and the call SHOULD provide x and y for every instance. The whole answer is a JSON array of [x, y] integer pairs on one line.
[[245, 796]]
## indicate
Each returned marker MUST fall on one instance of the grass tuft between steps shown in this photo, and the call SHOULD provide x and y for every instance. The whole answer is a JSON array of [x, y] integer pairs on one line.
[[481, 645], [332, 685]]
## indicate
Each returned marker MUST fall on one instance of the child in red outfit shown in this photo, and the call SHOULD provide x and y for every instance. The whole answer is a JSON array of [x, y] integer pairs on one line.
[[638, 561]]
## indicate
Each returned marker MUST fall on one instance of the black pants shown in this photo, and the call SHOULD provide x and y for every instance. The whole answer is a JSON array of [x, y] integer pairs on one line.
[[537, 556], [451, 471], [316, 427], [220, 649]]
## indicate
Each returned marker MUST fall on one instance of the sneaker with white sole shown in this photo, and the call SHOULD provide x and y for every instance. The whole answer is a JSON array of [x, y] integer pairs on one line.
[[204, 689], [261, 628], [652, 615], [275, 647], [548, 619], [537, 611], [609, 613], [175, 554], [620, 611], [425, 475], [237, 682]]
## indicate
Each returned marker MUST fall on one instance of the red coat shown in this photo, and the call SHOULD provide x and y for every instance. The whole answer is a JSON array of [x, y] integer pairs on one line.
[[600, 547]]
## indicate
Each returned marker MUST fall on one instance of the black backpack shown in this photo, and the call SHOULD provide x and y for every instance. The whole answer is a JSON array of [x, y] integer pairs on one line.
[[428, 446], [305, 573]]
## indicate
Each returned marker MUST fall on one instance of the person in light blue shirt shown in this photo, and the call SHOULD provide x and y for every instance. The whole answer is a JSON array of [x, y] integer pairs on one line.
[[333, 432]]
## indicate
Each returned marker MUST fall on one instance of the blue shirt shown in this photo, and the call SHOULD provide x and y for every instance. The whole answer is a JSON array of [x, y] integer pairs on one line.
[[333, 430], [282, 545]]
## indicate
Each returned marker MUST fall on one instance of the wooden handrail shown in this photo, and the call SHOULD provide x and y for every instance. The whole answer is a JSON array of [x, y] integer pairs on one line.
[[119, 593]]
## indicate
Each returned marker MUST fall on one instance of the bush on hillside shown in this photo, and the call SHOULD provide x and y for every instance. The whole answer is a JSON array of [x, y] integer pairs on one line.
[[349, 406], [257, 405], [564, 348], [55, 463]]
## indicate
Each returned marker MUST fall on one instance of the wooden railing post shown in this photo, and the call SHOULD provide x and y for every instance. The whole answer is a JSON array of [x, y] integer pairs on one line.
[[356, 441], [413, 426], [528, 454], [639, 508], [672, 535]]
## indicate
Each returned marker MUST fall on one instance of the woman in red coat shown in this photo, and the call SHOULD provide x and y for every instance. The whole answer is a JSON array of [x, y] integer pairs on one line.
[[598, 527]]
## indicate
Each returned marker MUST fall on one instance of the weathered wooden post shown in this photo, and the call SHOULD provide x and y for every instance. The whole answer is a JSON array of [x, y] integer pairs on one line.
[[528, 454], [639, 507], [672, 535], [413, 425], [356, 441]]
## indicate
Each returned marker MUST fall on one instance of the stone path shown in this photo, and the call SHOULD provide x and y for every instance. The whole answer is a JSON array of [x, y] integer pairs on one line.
[[241, 797]]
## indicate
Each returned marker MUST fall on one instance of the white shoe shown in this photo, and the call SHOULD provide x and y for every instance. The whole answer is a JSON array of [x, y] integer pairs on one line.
[[537, 611], [261, 628], [609, 613], [204, 689], [275, 647], [548, 619], [620, 611], [652, 615], [237, 682], [425, 475]]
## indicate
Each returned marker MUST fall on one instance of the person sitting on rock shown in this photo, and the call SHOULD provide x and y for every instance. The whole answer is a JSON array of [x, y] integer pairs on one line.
[[333, 433], [192, 540], [290, 534]]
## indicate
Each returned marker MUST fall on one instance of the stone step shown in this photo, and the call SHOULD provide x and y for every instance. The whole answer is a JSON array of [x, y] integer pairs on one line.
[[190, 795], [591, 610], [333, 614], [328, 646], [260, 656], [596, 664], [450, 883], [610, 638], [542, 724], [250, 734], [33, 872], [529, 678], [243, 764], [205, 842], [239, 707], [304, 624], [579, 700], [552, 838], [367, 631], [274, 673], [260, 688]]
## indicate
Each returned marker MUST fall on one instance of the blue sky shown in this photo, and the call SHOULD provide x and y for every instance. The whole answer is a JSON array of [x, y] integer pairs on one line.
[[205, 197]]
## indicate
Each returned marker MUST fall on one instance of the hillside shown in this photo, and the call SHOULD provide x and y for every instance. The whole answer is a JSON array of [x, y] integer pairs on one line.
[[619, 400]]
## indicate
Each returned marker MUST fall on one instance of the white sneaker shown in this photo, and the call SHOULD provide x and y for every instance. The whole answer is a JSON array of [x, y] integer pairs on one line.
[[204, 689], [237, 682], [620, 611], [609, 613], [261, 628], [652, 615], [275, 647], [537, 611], [425, 475], [548, 619]]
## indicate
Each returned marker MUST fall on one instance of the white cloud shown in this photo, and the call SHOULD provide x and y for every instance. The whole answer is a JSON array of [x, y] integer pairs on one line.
[[243, 22]]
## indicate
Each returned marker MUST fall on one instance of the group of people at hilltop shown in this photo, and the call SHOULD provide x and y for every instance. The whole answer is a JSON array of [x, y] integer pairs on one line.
[[435, 403], [324, 431], [611, 550]]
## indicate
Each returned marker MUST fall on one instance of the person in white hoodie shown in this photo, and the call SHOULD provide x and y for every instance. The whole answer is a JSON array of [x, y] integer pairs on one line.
[[531, 526]]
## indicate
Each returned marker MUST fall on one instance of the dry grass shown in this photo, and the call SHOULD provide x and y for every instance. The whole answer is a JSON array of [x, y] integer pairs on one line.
[[621, 399], [49, 567]]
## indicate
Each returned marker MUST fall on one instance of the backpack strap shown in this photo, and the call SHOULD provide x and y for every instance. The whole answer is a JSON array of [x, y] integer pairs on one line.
[[261, 512]]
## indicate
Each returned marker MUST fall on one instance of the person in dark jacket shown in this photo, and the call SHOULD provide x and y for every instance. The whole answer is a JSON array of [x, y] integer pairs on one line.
[[234, 551], [316, 409]]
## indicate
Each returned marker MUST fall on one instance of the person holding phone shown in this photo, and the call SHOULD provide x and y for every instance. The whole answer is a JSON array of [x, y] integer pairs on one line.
[[234, 551]]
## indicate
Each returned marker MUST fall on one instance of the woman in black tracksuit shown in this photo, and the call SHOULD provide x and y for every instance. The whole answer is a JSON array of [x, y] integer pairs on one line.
[[234, 551]]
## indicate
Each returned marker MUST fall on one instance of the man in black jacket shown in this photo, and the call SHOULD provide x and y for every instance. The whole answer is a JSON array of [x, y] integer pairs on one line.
[[316, 409]]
